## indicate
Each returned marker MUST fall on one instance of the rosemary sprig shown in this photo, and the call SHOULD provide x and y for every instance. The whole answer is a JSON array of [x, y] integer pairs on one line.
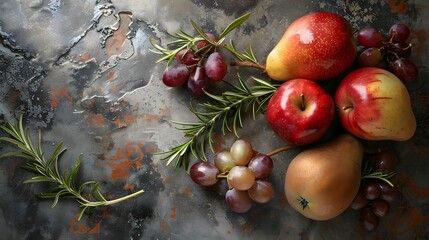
[[184, 40], [225, 111], [369, 173], [46, 170]]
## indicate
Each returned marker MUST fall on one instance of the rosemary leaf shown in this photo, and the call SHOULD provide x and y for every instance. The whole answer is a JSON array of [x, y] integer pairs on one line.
[[48, 171], [224, 111], [237, 22], [202, 33], [182, 40]]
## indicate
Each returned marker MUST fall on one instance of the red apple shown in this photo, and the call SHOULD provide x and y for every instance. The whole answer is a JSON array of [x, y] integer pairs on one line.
[[373, 104], [300, 111], [316, 46]]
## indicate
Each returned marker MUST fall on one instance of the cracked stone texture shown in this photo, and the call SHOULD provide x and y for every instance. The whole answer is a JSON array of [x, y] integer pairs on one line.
[[82, 71]]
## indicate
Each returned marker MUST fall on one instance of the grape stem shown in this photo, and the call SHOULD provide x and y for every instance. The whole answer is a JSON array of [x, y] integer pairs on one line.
[[279, 150]]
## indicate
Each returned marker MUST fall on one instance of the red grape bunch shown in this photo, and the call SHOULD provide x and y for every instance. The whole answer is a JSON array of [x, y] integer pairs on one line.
[[197, 66], [389, 52], [375, 196], [244, 172]]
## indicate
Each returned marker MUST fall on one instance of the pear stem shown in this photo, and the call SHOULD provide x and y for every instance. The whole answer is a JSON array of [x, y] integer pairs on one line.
[[247, 64]]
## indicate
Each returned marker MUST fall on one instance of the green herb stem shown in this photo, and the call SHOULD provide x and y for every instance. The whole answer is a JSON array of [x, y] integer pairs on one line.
[[46, 170], [369, 173], [225, 110]]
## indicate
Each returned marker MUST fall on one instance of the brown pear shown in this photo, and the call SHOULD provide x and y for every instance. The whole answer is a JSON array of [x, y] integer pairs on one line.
[[321, 182]]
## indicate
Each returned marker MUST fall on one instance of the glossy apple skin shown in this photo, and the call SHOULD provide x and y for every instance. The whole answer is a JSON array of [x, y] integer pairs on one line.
[[316, 46], [300, 111], [373, 104]]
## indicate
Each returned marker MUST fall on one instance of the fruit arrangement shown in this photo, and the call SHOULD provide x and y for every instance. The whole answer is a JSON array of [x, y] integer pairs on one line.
[[331, 174]]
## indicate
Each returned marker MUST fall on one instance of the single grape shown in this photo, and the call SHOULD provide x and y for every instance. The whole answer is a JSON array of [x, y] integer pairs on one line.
[[370, 37], [198, 82], [204, 43], [399, 32], [241, 177], [360, 201], [187, 57], [224, 161], [401, 49], [221, 187], [175, 76], [262, 191], [238, 201], [380, 207], [370, 57], [261, 165], [385, 160], [388, 192], [204, 173], [216, 67], [404, 69], [241, 151], [368, 220], [371, 190]]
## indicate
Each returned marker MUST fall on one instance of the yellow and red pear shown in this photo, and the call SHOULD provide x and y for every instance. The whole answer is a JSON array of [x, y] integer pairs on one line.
[[373, 104], [317, 46]]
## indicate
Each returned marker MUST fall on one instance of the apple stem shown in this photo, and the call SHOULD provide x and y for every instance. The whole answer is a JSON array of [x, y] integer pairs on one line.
[[247, 64], [279, 150], [302, 102]]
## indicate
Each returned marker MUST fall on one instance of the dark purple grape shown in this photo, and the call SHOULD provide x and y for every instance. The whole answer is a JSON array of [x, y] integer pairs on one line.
[[388, 192], [238, 201], [204, 43], [262, 191], [370, 57], [198, 82], [370, 37], [204, 173], [216, 67], [368, 220], [404, 69], [399, 33], [385, 160], [187, 57], [371, 190], [175, 76], [261, 165], [360, 201], [380, 207], [401, 49]]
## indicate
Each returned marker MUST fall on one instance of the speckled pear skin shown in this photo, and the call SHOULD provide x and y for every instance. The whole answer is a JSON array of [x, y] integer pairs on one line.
[[317, 46]]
